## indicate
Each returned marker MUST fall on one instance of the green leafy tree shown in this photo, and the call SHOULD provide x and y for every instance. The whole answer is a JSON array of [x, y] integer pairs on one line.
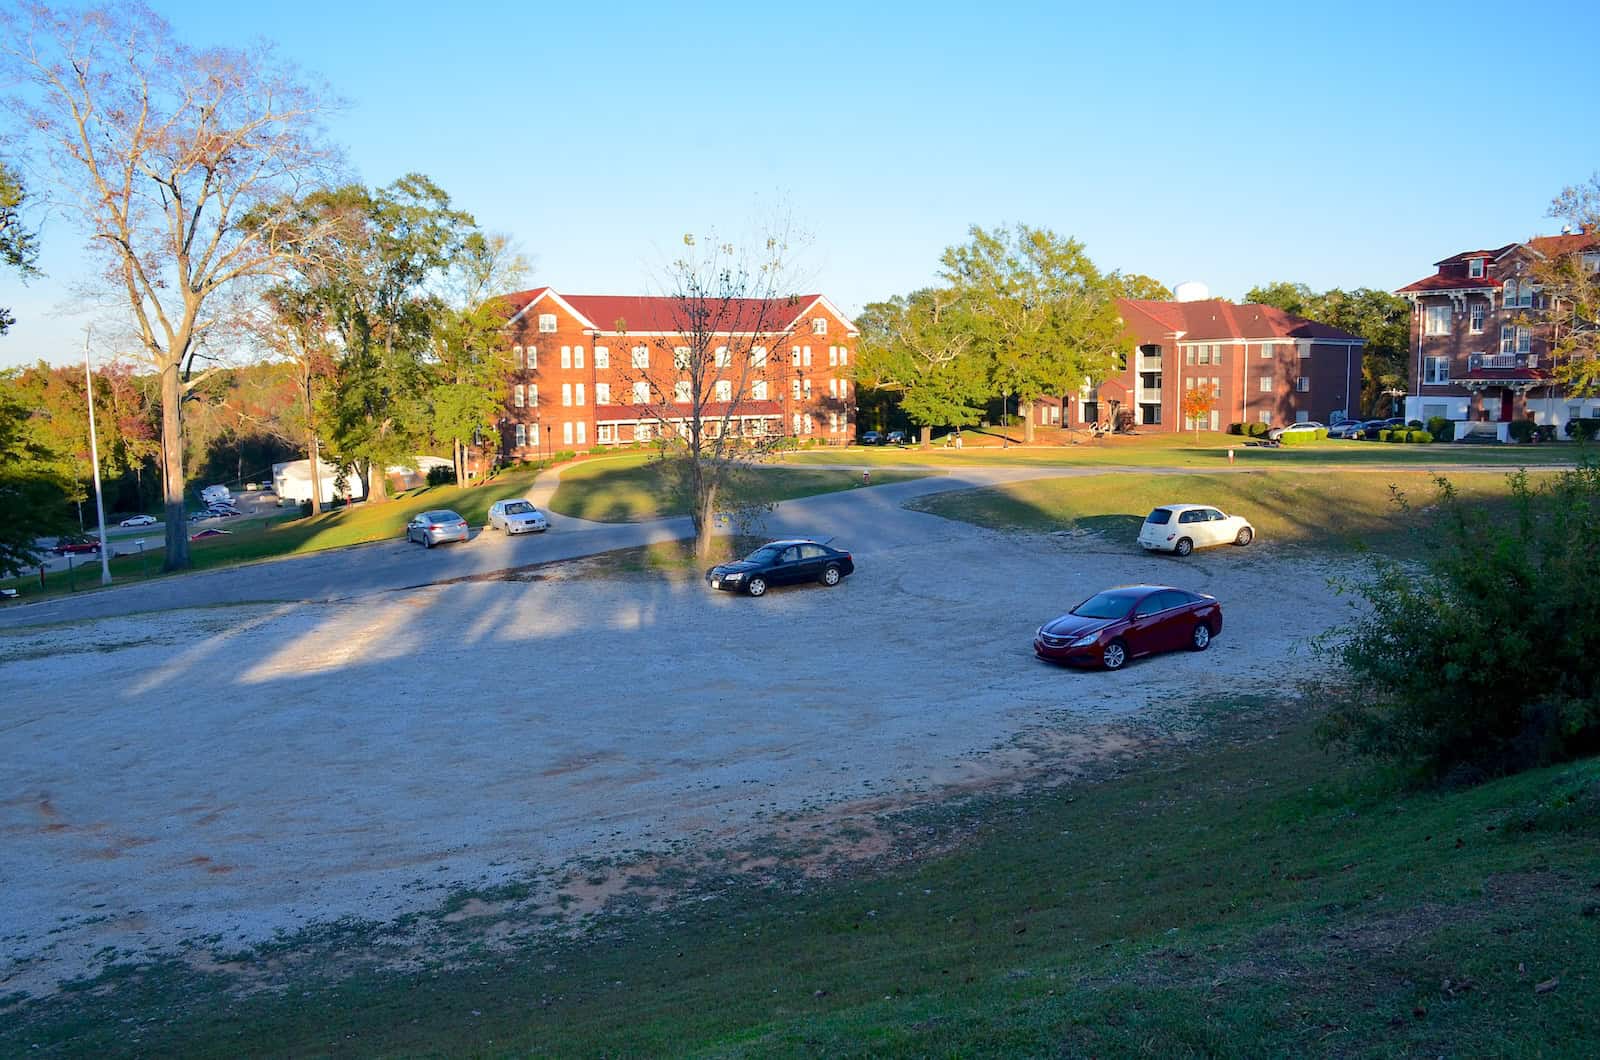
[[1573, 287], [920, 347], [1040, 313], [294, 325], [178, 162], [1381, 318], [1136, 285], [35, 481], [19, 248]]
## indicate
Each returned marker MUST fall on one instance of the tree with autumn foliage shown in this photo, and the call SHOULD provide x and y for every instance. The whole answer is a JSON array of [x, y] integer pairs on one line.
[[1197, 404], [1572, 287]]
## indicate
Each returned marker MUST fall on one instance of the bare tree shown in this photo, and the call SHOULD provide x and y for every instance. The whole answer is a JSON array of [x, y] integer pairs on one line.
[[708, 381], [181, 163]]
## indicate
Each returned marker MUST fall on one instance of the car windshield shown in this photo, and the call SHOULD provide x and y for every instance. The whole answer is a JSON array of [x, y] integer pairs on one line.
[[516, 507], [1112, 604], [764, 554]]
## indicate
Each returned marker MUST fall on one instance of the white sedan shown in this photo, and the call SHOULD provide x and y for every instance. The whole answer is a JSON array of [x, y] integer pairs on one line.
[[1302, 427], [139, 520], [1182, 528], [517, 517]]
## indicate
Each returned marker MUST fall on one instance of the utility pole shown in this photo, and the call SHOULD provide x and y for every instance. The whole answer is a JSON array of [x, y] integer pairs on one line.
[[94, 455]]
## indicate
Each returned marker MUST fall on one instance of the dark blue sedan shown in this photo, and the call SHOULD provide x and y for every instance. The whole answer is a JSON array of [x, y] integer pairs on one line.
[[782, 563]]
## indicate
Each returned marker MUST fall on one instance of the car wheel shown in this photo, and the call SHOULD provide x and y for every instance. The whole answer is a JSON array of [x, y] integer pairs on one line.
[[831, 576], [1200, 639], [1183, 547], [1114, 655], [427, 542], [1246, 535], [757, 587]]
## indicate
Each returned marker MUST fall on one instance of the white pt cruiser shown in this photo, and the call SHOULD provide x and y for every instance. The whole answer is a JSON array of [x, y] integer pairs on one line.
[[1182, 528]]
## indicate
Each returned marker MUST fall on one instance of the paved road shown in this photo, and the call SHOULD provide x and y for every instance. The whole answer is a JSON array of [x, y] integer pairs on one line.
[[852, 516]]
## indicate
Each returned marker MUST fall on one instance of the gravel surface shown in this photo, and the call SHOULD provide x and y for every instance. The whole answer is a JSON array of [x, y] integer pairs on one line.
[[224, 774]]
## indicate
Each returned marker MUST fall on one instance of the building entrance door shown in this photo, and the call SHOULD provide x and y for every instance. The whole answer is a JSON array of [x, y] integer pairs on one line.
[[1505, 406]]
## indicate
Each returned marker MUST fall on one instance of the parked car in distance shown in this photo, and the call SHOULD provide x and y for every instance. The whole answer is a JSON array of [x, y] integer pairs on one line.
[[1303, 426], [210, 531], [517, 517], [75, 545], [223, 511], [435, 527], [1182, 528], [1347, 429], [1116, 625], [139, 520], [870, 438], [782, 563], [895, 438]]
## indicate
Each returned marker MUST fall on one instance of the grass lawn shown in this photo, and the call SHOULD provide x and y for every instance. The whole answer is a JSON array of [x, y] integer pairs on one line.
[[630, 488], [1211, 451], [289, 535], [1331, 509], [1251, 895]]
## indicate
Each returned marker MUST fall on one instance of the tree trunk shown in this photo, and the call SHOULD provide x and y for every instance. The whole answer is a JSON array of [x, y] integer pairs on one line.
[[705, 522], [177, 528], [458, 458], [377, 482], [927, 437], [316, 475], [1026, 409]]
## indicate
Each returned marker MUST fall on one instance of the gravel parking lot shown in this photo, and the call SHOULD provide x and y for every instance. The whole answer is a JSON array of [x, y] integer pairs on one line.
[[223, 774]]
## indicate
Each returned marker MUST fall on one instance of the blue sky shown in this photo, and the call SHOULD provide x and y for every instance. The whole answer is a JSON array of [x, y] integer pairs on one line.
[[1340, 146]]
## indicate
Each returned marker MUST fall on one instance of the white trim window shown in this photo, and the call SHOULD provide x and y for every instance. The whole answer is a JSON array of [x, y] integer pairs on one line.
[[1266, 384], [805, 356], [795, 423], [1518, 294], [533, 394], [519, 395], [1265, 415], [680, 358], [724, 389], [844, 390], [566, 395], [819, 325], [602, 393], [641, 432], [682, 393], [577, 356], [583, 432], [833, 421], [808, 389], [833, 388], [794, 356], [547, 323], [577, 392], [758, 390], [758, 357], [566, 356], [1269, 350], [566, 433], [1515, 339], [1475, 268], [1436, 319], [516, 357], [724, 358], [833, 356], [1475, 315], [522, 435], [602, 357], [640, 357], [844, 355], [1302, 385], [810, 423], [1435, 371], [605, 433], [794, 390], [533, 357], [641, 393]]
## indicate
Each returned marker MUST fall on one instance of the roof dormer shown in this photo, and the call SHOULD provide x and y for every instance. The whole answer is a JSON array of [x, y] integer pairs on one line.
[[1476, 268]]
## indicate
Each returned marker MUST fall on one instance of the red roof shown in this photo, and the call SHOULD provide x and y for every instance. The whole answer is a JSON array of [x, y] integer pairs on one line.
[[1217, 319], [644, 313], [1466, 254], [1556, 246], [1437, 282]]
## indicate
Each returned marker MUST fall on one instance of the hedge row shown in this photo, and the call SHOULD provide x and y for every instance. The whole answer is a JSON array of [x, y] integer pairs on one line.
[[1405, 434]]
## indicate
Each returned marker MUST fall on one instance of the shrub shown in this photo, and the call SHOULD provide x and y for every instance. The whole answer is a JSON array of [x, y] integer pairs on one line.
[[441, 475], [1583, 428], [1521, 430], [1480, 659], [1320, 434], [1257, 430], [1424, 437], [1441, 428], [597, 450], [563, 456], [1415, 425], [1545, 432], [1297, 438]]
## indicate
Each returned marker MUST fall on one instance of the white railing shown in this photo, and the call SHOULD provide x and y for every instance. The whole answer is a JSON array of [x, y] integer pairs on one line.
[[1149, 364], [1148, 396]]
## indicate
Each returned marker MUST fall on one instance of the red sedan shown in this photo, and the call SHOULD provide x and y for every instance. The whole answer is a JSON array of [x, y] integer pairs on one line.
[[1112, 627]]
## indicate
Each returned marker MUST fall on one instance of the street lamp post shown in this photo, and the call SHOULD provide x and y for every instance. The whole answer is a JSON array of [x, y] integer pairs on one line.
[[94, 455]]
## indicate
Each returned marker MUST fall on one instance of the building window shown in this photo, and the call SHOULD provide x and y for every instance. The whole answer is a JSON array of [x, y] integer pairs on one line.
[[1188, 355], [1524, 340], [605, 432], [1431, 411], [1435, 371], [547, 323], [1437, 320], [566, 395], [724, 390], [809, 426], [532, 353], [807, 385], [833, 356], [577, 392], [1265, 416], [641, 357], [1302, 385], [1518, 294], [680, 358], [602, 357], [805, 356], [602, 393], [641, 432], [758, 357], [758, 390], [681, 392], [795, 420], [1475, 268], [518, 396], [1475, 318], [833, 420], [533, 394], [724, 358], [1515, 339], [583, 433], [795, 388], [833, 389], [516, 356], [566, 433], [577, 356], [1216, 420], [1205, 355], [819, 325], [1268, 351], [522, 435], [844, 355], [566, 356], [1266, 384], [794, 356], [641, 393]]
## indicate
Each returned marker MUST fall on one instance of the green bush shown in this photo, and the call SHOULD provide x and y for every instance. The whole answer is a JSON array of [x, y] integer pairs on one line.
[[1583, 428], [1424, 437], [1521, 431], [1415, 425], [1297, 437], [1442, 429], [1321, 433], [594, 450], [1257, 430], [441, 475], [1385, 435], [563, 456], [1480, 660]]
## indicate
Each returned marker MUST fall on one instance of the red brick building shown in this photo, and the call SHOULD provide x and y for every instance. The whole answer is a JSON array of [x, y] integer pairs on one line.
[[1262, 364], [610, 369], [1481, 333]]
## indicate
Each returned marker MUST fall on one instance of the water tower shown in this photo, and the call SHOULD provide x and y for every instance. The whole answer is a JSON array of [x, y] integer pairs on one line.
[[1191, 291]]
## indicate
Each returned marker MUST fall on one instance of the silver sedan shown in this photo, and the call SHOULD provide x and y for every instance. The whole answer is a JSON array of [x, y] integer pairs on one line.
[[437, 527]]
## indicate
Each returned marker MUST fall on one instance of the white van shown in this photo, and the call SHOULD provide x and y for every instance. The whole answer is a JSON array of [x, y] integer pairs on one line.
[[216, 495]]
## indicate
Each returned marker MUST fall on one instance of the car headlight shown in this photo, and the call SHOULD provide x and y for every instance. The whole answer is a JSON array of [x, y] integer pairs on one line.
[[1085, 641], [739, 577]]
